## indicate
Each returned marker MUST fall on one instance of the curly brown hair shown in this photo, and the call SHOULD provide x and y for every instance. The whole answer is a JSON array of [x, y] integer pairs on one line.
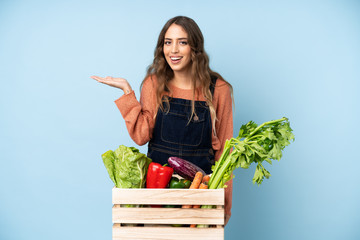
[[200, 69]]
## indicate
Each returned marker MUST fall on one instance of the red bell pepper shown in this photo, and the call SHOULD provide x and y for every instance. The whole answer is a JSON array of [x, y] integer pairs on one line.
[[158, 176]]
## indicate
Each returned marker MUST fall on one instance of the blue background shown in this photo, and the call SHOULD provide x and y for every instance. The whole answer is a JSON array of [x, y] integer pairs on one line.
[[298, 59]]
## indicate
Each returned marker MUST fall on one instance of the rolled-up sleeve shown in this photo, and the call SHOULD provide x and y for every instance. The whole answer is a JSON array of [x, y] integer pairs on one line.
[[139, 116]]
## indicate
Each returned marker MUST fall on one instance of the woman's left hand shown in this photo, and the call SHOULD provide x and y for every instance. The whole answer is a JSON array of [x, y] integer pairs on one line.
[[227, 217]]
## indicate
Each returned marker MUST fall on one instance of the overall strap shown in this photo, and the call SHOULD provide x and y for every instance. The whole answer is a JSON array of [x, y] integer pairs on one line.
[[212, 84]]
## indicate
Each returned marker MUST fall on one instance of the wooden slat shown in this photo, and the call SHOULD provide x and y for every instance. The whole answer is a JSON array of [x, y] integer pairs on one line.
[[220, 207], [168, 196], [166, 233], [168, 215]]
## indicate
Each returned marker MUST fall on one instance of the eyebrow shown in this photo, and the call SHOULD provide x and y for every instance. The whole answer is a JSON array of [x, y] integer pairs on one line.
[[177, 38]]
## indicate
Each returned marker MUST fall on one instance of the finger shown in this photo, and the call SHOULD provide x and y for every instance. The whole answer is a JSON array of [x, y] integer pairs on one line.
[[109, 78], [94, 77], [99, 79], [105, 83]]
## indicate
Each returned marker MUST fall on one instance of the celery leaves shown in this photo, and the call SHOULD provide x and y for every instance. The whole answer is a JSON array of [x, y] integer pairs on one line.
[[254, 144]]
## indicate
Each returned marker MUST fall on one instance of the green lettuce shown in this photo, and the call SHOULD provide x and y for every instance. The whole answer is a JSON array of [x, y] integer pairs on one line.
[[127, 167]]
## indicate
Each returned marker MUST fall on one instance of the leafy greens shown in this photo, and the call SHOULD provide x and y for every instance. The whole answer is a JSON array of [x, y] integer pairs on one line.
[[254, 144], [127, 167]]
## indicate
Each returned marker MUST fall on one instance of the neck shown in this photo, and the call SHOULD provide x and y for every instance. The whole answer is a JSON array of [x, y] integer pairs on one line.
[[182, 80]]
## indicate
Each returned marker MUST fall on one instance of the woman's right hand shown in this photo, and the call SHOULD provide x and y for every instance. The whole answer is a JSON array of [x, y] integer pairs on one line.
[[114, 82]]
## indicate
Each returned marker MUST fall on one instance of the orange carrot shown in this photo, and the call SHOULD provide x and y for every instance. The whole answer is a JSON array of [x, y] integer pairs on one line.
[[202, 186], [196, 181], [206, 178], [195, 184]]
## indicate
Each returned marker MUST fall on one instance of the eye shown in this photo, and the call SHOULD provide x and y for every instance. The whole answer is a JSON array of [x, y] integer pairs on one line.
[[183, 43], [167, 42]]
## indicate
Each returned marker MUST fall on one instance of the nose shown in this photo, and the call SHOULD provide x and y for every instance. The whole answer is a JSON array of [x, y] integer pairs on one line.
[[174, 48]]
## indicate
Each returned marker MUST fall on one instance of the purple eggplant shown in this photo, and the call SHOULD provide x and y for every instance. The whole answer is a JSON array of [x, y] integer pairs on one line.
[[184, 168]]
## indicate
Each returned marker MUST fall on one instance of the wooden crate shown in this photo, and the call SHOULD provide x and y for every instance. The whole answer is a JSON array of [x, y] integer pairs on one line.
[[156, 223]]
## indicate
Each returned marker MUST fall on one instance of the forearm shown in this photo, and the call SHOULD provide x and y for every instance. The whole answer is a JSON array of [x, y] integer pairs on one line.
[[139, 121]]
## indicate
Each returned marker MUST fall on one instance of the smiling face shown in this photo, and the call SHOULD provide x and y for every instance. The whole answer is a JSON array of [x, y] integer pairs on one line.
[[177, 50]]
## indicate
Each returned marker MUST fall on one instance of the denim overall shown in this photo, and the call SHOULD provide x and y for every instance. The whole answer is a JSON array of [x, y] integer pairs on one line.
[[175, 136]]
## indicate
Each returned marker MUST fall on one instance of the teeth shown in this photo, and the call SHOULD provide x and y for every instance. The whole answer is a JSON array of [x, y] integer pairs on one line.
[[175, 58]]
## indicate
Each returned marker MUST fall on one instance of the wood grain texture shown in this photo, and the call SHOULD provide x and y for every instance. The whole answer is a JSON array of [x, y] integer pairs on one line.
[[166, 233], [168, 215], [168, 196], [156, 223]]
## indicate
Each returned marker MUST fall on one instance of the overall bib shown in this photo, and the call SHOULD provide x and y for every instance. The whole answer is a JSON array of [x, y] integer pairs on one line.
[[175, 136]]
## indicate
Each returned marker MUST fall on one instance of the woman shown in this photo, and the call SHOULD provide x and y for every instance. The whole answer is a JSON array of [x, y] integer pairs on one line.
[[185, 108]]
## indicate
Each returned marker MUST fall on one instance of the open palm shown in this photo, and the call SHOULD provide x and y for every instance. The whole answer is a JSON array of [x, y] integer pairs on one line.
[[114, 82]]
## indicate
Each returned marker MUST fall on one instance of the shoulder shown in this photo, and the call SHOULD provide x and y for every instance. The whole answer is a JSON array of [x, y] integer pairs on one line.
[[220, 83], [222, 87], [150, 82], [223, 94]]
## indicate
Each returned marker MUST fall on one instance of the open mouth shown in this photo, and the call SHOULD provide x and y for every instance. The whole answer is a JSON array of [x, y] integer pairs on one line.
[[175, 60]]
